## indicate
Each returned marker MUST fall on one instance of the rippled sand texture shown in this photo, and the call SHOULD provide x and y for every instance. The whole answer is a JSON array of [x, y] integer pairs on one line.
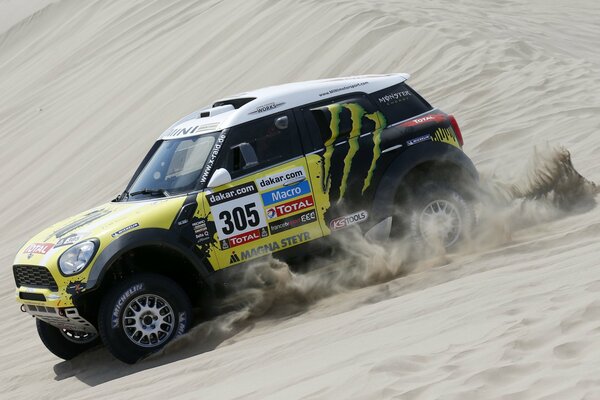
[[87, 86]]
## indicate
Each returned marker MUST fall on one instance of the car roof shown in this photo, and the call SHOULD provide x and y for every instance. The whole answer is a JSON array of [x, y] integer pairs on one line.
[[247, 106]]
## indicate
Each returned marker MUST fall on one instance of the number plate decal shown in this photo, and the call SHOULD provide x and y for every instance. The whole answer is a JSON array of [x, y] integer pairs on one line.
[[237, 210]]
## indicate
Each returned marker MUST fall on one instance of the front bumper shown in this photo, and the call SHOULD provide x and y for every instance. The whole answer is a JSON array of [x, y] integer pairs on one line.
[[62, 318]]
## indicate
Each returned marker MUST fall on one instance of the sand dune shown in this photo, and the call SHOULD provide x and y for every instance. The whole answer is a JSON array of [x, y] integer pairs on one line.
[[87, 86]]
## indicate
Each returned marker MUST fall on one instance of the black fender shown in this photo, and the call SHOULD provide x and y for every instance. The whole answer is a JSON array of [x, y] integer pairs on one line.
[[145, 237], [404, 163]]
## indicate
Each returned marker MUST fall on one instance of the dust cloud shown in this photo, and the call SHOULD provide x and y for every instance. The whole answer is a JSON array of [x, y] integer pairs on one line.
[[549, 188]]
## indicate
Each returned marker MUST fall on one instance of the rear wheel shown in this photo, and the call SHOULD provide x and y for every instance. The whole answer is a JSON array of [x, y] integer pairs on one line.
[[141, 315], [441, 217], [65, 343]]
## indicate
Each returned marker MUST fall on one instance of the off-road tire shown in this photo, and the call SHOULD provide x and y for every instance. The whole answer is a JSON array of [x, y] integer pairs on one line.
[[436, 202], [141, 314], [64, 343]]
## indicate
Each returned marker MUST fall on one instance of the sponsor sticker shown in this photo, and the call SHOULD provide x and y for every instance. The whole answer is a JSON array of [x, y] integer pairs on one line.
[[340, 89], [269, 247], [396, 97], [212, 157], [121, 302], [348, 220], [294, 221], [200, 230], [237, 210], [445, 135], [71, 239], [126, 229], [38, 248], [266, 107], [282, 178], [424, 119], [418, 140], [290, 207], [285, 193], [244, 238], [233, 193]]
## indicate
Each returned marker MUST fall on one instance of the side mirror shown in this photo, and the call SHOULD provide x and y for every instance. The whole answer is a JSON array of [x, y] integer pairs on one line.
[[244, 156], [220, 177], [281, 122]]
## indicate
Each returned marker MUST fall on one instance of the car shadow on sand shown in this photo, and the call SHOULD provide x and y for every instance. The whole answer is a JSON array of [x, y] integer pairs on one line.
[[98, 366]]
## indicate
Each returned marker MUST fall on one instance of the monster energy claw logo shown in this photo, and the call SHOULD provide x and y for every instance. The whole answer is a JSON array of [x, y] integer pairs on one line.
[[445, 135], [357, 113]]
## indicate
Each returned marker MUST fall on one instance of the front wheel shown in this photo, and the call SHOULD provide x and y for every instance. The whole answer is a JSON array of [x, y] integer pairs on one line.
[[141, 315], [441, 217], [65, 343]]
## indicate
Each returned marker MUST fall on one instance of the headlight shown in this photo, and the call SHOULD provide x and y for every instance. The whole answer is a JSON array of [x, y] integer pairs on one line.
[[74, 260]]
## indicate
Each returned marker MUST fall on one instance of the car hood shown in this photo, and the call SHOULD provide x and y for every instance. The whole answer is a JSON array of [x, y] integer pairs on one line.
[[104, 223]]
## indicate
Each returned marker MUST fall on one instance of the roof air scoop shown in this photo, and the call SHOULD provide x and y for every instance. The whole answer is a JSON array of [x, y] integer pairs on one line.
[[211, 112]]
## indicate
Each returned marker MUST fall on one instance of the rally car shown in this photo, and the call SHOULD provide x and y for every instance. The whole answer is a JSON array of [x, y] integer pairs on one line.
[[267, 172]]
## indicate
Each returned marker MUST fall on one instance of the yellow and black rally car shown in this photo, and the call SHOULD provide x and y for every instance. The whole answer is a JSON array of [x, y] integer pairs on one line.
[[263, 172]]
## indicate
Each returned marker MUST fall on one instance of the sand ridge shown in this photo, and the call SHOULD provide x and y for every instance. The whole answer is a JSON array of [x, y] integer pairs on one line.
[[87, 86]]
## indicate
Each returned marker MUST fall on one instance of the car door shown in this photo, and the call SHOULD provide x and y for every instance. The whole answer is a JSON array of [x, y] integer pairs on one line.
[[346, 136], [269, 204]]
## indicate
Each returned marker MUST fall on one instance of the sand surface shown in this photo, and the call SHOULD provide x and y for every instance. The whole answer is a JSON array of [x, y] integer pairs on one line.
[[86, 87]]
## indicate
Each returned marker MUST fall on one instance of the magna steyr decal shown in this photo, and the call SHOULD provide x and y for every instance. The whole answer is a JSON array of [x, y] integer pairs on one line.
[[269, 247], [357, 113]]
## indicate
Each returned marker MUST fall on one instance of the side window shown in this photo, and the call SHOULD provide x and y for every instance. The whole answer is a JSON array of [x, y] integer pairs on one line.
[[342, 120], [261, 143], [399, 102]]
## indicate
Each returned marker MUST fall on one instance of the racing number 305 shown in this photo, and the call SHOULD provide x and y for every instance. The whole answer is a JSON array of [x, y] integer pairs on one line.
[[239, 218]]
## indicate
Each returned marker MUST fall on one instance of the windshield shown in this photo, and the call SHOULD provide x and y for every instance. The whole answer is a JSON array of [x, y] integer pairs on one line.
[[175, 167]]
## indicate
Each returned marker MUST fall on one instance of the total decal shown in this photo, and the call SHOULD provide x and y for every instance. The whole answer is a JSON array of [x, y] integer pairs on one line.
[[38, 248], [244, 238], [425, 119], [348, 220], [290, 207], [268, 248]]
